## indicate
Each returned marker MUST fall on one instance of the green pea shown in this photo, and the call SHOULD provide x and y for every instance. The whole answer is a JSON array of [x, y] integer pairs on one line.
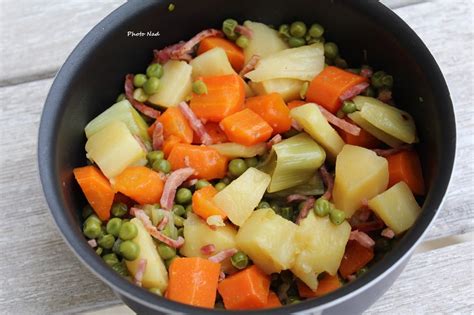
[[140, 95], [151, 85], [337, 216], [286, 212], [370, 91], [382, 245], [113, 226], [183, 195], [237, 167], [116, 247], [93, 217], [171, 231], [199, 87], [220, 185], [179, 210], [162, 166], [155, 291], [155, 70], [87, 211], [349, 107], [263, 205], [298, 29], [165, 251], [376, 79], [284, 31], [316, 30], [340, 63], [99, 251], [121, 269], [107, 241], [120, 97], [331, 50], [387, 81], [296, 42], [304, 90], [168, 262], [110, 259], [92, 229], [361, 271], [202, 183], [242, 41], [251, 162], [178, 221], [139, 79], [153, 156], [239, 260], [322, 207], [228, 27], [119, 209], [129, 250], [128, 231]]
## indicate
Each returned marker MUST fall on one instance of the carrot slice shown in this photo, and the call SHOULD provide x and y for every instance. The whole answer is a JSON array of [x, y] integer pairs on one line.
[[140, 183], [193, 281], [207, 162], [326, 88], [273, 300], [246, 127], [213, 130], [96, 188], [295, 103], [246, 289], [272, 108], [364, 139], [405, 166], [355, 257], [225, 96], [234, 53], [169, 144], [203, 205], [175, 124], [326, 285]]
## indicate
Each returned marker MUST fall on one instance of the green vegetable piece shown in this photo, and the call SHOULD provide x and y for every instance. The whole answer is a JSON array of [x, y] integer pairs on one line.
[[251, 162], [120, 97], [128, 231], [237, 167], [298, 29], [202, 183], [93, 217], [155, 70], [228, 27], [162, 166], [242, 41], [284, 31], [178, 221], [275, 206], [316, 30], [183, 196], [179, 210], [220, 185], [139, 79], [286, 212], [140, 95], [151, 85], [349, 107], [171, 7], [113, 226], [129, 250], [361, 271], [110, 259], [99, 251], [181, 231], [293, 300], [331, 50], [226, 180], [121, 269], [337, 216], [116, 247], [376, 79], [340, 63], [322, 207], [296, 42], [189, 208], [304, 90], [165, 251], [387, 81], [87, 211], [155, 156], [263, 205], [92, 229], [199, 87], [155, 291], [239, 260], [370, 92], [119, 209], [107, 241]]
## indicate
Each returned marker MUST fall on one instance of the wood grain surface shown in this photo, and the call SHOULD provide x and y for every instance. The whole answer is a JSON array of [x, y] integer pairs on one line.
[[40, 275]]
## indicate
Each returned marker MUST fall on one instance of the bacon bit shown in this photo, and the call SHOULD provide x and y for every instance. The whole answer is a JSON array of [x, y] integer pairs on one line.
[[158, 136], [353, 91], [388, 233], [163, 55], [208, 249], [141, 215], [361, 220], [195, 123], [250, 65], [366, 73], [296, 197], [340, 123], [163, 223], [244, 30], [365, 202], [276, 139], [388, 152], [142, 108], [295, 125], [328, 181], [190, 182], [172, 183], [223, 255], [385, 95], [221, 276], [215, 220], [308, 204], [92, 243], [362, 238], [141, 267]]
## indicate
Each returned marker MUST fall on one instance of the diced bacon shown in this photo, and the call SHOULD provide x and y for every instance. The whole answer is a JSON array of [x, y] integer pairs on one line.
[[362, 238], [195, 123], [388, 233], [141, 267], [366, 221], [142, 108], [366, 73], [163, 55], [385, 95], [92, 243], [307, 206], [340, 123], [172, 183], [223, 255], [163, 223], [274, 140], [328, 181], [190, 182], [244, 30], [158, 136], [208, 249], [221, 276], [353, 91], [184, 51], [295, 125], [250, 65], [388, 152], [296, 197]]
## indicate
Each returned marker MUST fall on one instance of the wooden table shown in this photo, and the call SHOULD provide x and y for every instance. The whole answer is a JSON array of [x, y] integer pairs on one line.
[[40, 275]]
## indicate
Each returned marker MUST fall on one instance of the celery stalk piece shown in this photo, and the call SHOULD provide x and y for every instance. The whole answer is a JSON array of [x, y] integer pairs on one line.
[[293, 161], [374, 131], [265, 41], [114, 148], [235, 150]]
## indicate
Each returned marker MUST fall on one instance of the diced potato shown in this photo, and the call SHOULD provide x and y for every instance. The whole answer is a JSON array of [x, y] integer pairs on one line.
[[315, 124], [289, 89], [374, 131], [155, 275], [235, 150], [212, 62], [268, 239], [397, 207], [301, 63], [264, 41], [122, 111], [360, 175], [242, 196], [321, 245], [198, 234], [113, 149], [393, 121], [175, 85]]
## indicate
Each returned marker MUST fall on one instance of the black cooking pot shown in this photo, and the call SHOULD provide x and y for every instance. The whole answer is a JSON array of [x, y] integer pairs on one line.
[[366, 32]]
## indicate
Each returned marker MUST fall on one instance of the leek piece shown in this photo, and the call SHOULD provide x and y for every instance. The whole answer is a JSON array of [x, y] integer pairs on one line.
[[235, 150], [265, 41], [212, 62], [374, 131], [313, 187]]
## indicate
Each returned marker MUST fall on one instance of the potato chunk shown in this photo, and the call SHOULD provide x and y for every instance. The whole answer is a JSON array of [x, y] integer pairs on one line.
[[175, 85], [320, 247], [289, 89], [212, 62], [397, 207], [264, 41], [268, 239], [360, 175]]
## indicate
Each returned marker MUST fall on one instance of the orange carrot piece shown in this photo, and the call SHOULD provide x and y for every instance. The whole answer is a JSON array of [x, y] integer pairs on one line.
[[234, 53], [295, 103], [207, 162], [326, 88], [203, 205], [225, 96], [174, 123], [140, 183], [272, 108], [273, 300], [355, 257], [326, 285], [405, 166], [246, 289], [169, 144], [246, 127], [96, 188], [193, 281], [213, 130], [151, 129], [364, 139]]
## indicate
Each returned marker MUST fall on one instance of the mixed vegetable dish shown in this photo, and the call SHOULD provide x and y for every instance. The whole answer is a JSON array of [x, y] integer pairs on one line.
[[250, 168]]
